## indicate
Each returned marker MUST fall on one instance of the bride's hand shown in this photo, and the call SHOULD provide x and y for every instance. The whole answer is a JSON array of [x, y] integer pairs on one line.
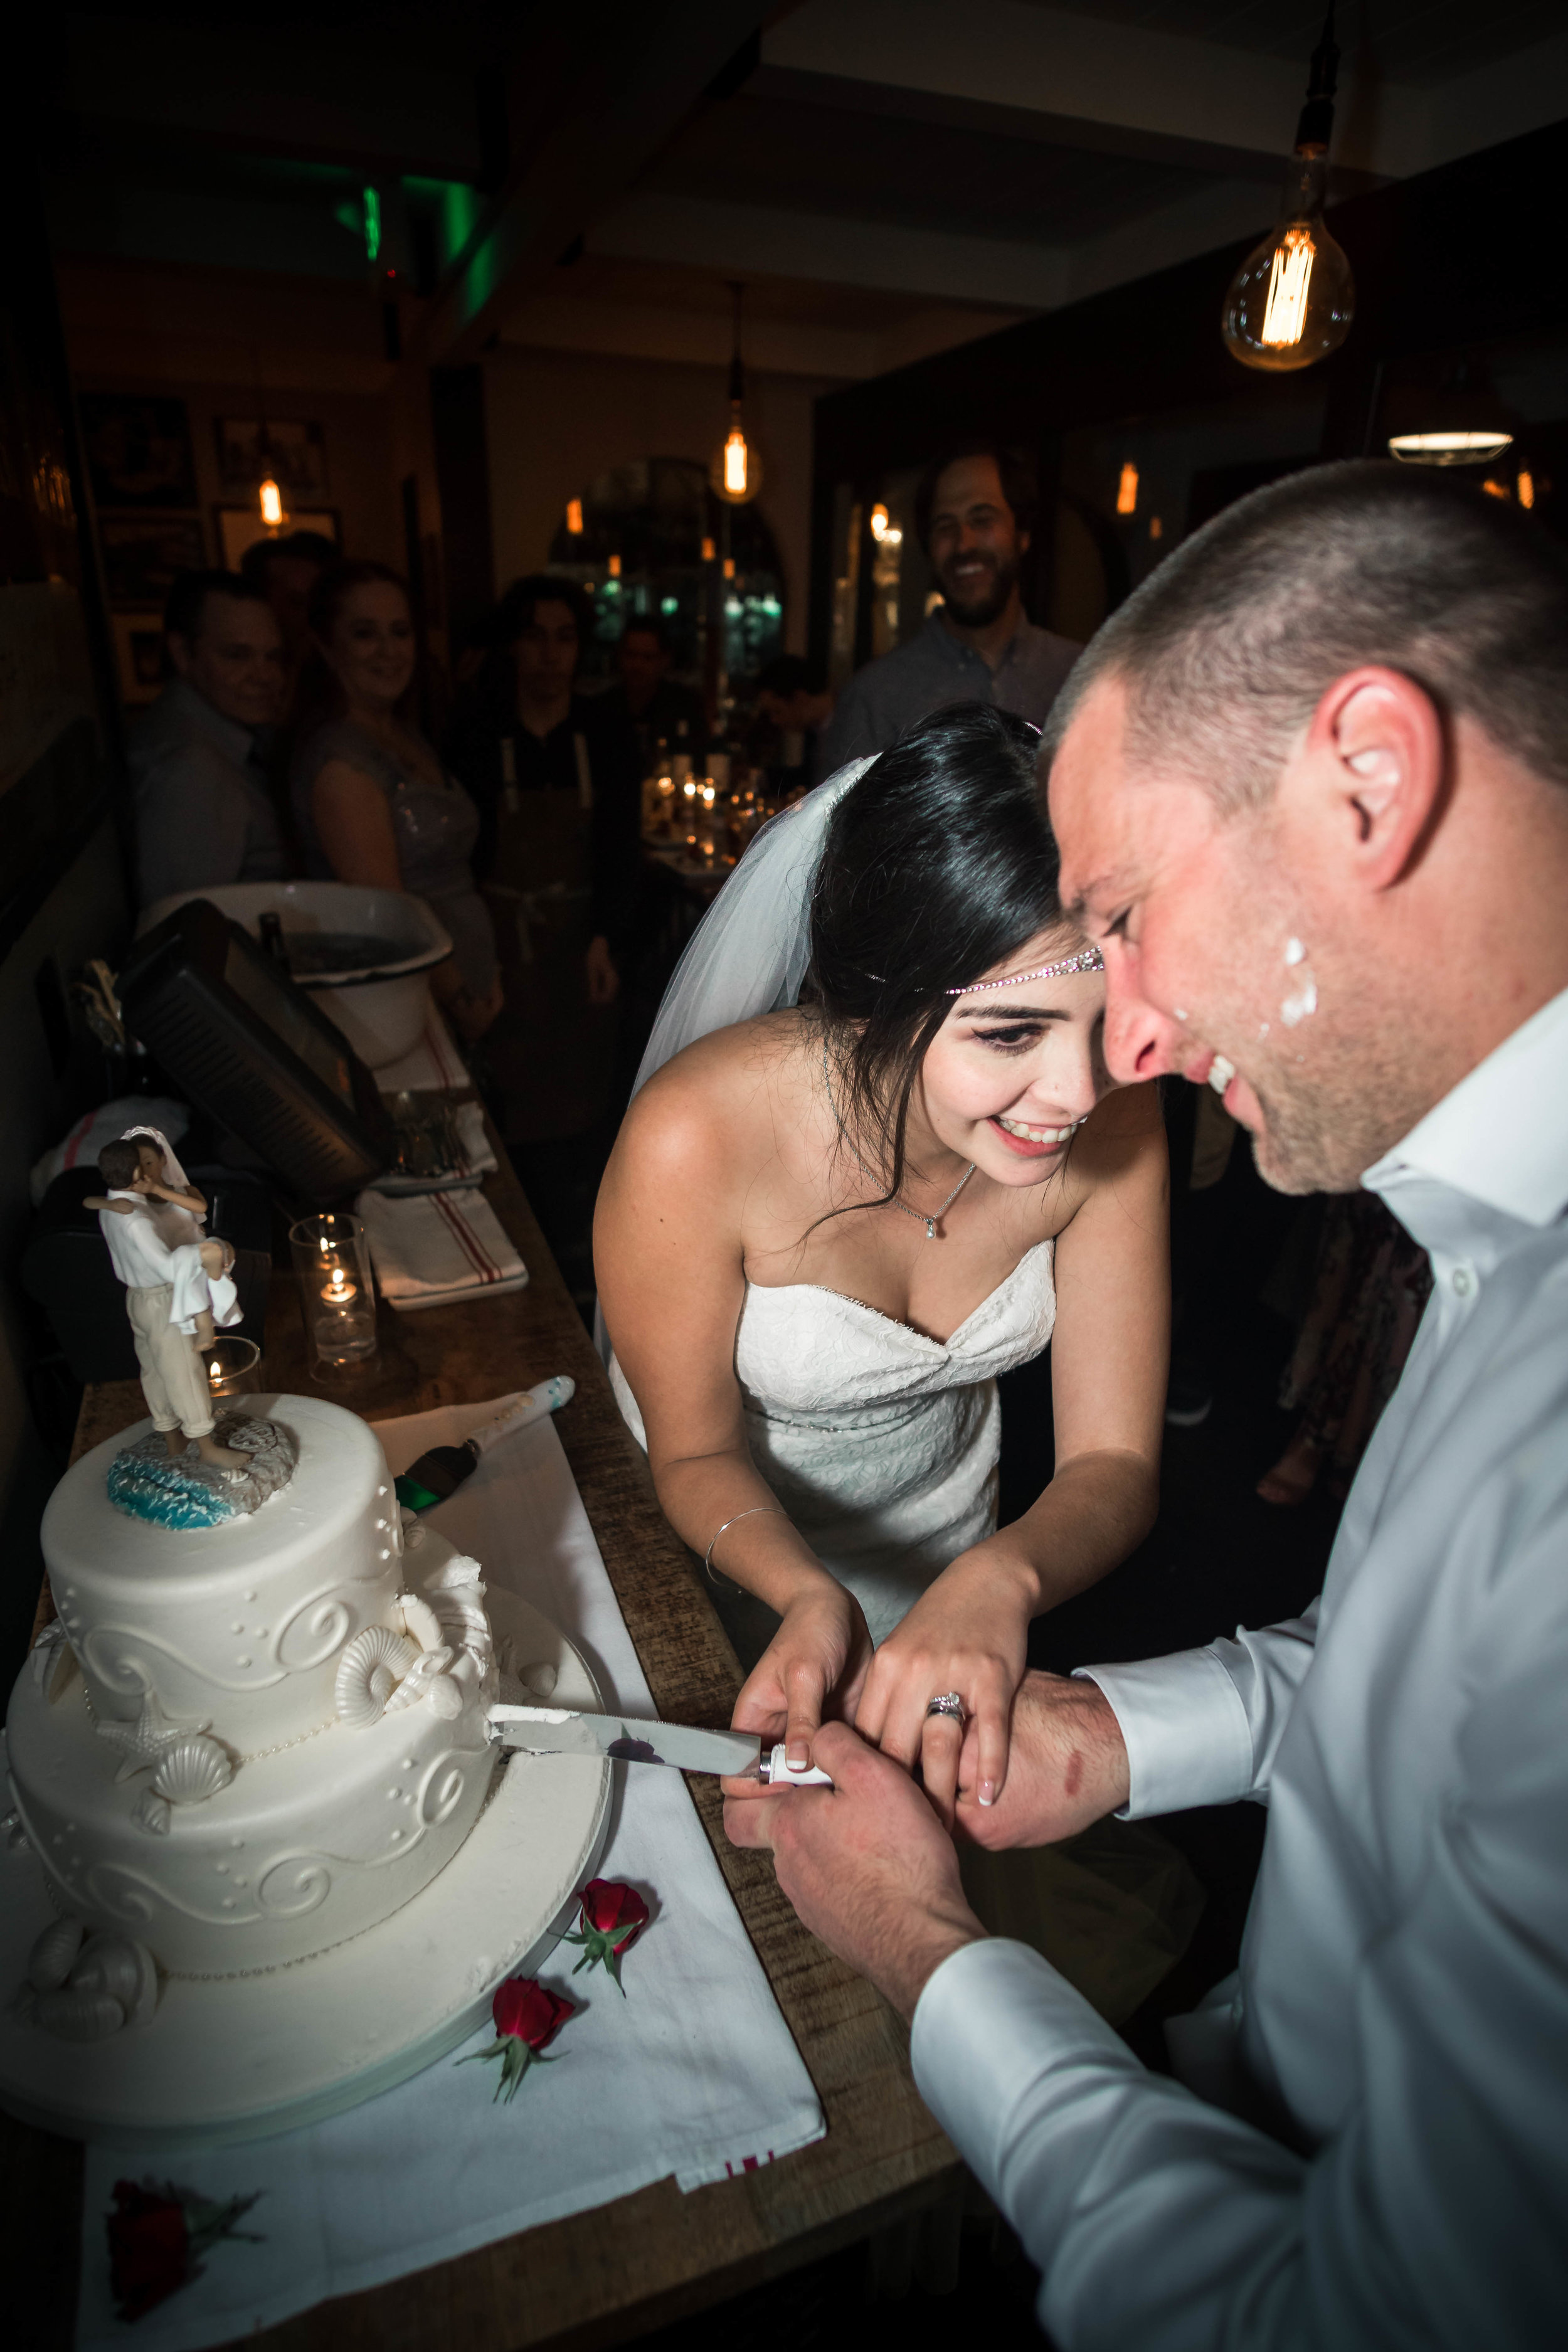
[[814, 1666], [968, 1633]]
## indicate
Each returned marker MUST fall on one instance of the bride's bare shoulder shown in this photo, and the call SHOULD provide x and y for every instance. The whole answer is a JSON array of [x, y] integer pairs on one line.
[[723, 1095]]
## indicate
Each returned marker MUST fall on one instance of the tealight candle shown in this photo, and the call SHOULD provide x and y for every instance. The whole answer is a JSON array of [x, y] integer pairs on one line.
[[337, 1289]]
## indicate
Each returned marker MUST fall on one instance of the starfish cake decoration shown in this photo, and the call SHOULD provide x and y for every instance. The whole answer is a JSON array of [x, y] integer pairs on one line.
[[142, 1743]]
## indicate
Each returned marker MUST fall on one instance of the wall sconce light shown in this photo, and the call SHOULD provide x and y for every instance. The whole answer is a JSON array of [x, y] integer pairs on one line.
[[1127, 489], [574, 516]]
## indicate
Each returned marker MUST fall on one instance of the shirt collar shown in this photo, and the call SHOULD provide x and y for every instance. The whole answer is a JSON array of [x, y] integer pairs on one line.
[[229, 734], [955, 649], [1501, 1134]]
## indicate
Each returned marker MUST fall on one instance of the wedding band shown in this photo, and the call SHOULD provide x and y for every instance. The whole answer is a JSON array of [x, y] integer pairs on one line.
[[948, 1703]]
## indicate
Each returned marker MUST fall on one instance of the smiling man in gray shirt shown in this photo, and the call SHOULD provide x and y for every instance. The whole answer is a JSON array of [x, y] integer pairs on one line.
[[974, 512], [203, 811]]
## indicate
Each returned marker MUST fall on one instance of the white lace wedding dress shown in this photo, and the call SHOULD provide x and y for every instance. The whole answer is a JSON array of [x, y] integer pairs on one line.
[[880, 1443]]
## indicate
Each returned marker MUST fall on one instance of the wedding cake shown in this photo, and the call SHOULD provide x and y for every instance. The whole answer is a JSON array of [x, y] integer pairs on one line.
[[242, 1744]]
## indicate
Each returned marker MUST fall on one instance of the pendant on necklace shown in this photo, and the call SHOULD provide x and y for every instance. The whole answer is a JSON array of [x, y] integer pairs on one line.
[[930, 1229]]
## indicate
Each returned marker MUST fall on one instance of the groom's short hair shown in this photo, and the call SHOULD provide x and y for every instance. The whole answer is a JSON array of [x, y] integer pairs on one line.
[[1227, 647]]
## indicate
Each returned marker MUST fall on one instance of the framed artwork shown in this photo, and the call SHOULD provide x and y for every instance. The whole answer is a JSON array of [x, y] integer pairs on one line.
[[138, 451], [138, 656], [240, 527], [295, 452], [142, 554]]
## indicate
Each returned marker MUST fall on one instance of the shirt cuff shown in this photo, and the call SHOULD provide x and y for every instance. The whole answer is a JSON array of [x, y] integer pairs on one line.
[[1188, 1738], [994, 2028]]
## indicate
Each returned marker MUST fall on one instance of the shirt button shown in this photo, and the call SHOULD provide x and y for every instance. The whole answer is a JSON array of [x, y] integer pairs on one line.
[[1464, 1281]]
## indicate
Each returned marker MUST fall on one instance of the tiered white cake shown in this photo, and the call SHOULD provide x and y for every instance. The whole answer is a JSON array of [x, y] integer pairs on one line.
[[247, 1743]]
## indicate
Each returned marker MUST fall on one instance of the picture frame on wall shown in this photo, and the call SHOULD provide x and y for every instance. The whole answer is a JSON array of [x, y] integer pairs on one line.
[[238, 528], [293, 451], [138, 656], [138, 450], [143, 555]]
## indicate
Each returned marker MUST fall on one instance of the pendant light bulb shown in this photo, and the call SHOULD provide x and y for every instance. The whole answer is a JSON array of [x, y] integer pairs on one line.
[[735, 457], [735, 473], [1292, 300], [271, 498]]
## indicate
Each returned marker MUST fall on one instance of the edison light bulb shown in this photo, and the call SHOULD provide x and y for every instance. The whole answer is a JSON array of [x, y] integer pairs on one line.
[[271, 498], [1293, 298], [735, 459]]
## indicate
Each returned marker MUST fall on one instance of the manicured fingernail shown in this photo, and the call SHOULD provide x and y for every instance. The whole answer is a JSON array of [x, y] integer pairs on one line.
[[798, 1756], [988, 1792]]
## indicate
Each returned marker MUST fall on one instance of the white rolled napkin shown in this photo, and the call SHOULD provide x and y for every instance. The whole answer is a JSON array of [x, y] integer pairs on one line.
[[433, 1247]]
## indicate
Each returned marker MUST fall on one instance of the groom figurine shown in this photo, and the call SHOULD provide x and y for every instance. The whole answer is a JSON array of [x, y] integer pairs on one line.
[[1310, 787]]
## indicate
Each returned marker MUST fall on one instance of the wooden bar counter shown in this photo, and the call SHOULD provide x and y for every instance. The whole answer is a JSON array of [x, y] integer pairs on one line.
[[611, 2274]]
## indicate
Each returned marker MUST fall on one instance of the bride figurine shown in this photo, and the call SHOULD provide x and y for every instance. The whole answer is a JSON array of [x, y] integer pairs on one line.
[[874, 1160]]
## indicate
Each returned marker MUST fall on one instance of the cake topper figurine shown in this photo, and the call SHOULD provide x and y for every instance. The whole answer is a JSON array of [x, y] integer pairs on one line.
[[176, 1283], [177, 1288]]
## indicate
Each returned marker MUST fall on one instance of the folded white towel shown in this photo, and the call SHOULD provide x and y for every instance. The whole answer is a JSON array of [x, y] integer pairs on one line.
[[436, 1246]]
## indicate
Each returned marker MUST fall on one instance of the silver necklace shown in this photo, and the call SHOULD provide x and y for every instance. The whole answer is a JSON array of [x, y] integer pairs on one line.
[[918, 1214]]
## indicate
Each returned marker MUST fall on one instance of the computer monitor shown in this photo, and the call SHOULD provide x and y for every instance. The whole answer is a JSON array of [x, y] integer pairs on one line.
[[252, 1050]]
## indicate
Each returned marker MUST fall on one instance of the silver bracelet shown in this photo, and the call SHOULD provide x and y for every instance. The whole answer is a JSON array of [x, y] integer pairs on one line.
[[758, 1510]]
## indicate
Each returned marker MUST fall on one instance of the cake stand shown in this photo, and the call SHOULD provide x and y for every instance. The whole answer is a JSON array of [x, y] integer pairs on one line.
[[240, 2058]]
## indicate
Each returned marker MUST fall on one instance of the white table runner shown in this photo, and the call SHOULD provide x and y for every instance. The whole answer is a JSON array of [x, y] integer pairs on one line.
[[694, 2074]]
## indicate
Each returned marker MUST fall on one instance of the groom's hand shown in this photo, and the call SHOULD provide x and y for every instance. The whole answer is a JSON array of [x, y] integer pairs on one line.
[[867, 1864], [1067, 1766]]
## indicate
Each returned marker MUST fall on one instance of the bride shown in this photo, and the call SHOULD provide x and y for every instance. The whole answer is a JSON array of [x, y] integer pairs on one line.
[[880, 1161]]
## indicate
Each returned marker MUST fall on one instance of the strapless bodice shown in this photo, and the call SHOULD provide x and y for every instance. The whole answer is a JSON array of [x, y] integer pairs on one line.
[[880, 1442]]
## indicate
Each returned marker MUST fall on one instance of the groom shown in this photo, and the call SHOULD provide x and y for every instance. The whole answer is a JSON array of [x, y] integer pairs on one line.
[[1311, 786]]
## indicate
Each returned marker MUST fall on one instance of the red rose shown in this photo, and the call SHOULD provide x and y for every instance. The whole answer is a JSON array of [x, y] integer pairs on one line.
[[530, 2011], [527, 2015], [149, 2248], [156, 2233], [611, 1919], [609, 1908]]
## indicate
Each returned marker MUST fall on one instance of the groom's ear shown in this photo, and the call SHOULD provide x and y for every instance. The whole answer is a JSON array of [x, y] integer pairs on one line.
[[1377, 759]]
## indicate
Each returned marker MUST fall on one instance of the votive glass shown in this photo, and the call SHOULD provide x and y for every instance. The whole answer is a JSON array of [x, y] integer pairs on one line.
[[337, 1286], [231, 1364]]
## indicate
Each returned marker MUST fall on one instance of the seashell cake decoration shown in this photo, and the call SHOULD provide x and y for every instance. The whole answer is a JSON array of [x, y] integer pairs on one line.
[[83, 1988], [192, 1767], [369, 1670]]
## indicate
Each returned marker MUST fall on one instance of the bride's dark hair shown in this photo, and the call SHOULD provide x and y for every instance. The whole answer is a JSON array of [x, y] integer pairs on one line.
[[938, 864]]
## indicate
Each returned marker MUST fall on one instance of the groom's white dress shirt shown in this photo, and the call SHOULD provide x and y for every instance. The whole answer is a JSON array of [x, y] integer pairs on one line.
[[1401, 2013]]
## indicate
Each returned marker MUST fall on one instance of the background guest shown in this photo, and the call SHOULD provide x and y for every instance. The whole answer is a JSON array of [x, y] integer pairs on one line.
[[372, 802], [974, 515], [793, 706], [203, 812], [657, 705], [285, 571]]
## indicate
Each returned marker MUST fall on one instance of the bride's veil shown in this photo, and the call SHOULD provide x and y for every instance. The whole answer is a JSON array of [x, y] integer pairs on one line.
[[749, 953]]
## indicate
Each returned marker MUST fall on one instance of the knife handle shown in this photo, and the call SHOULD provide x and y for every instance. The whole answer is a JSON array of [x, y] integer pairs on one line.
[[779, 1772]]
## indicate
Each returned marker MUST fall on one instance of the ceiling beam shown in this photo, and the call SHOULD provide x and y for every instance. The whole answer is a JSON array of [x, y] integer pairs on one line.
[[626, 77], [740, 239], [1112, 79]]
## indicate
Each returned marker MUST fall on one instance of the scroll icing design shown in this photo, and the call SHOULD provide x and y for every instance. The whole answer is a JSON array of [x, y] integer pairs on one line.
[[331, 1621]]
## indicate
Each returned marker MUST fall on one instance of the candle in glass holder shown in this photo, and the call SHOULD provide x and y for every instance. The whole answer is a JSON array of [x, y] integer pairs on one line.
[[231, 1366], [337, 1289]]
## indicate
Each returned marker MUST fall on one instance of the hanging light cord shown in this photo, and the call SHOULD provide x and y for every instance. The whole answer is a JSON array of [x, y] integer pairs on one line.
[[1317, 123]]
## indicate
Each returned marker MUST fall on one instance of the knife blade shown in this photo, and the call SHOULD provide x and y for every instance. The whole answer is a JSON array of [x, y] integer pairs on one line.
[[639, 1739]]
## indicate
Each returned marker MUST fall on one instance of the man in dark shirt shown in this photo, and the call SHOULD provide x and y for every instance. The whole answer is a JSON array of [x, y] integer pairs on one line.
[[974, 513], [660, 710], [204, 813], [527, 733], [793, 708]]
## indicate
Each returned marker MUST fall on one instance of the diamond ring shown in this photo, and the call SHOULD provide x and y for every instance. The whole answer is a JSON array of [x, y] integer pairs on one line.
[[948, 1703]]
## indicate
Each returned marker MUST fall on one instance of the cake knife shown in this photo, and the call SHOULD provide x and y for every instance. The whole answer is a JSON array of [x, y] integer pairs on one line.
[[633, 1739]]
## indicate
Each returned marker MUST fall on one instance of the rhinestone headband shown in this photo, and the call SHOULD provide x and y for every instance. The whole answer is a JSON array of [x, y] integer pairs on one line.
[[1088, 960]]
